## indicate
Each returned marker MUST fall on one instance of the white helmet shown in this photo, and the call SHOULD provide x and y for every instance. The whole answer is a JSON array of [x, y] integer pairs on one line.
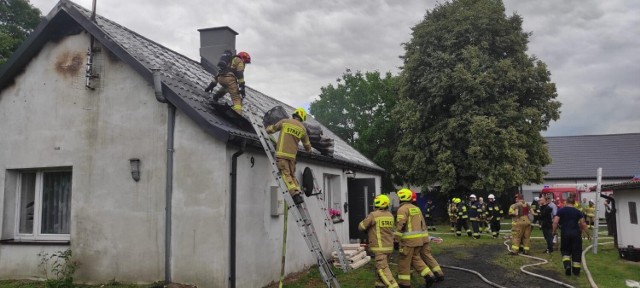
[[472, 196], [491, 196], [536, 198]]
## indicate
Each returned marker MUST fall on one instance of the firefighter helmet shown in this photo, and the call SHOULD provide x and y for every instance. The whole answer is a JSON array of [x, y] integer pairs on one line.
[[301, 113], [405, 194], [472, 196], [414, 196], [381, 201], [456, 200], [491, 196], [246, 58]]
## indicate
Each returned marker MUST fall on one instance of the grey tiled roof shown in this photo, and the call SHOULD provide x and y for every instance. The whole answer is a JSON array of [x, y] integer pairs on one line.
[[184, 81], [580, 156]]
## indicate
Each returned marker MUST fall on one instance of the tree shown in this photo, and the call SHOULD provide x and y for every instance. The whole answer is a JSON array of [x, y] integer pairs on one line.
[[358, 109], [17, 19], [473, 102]]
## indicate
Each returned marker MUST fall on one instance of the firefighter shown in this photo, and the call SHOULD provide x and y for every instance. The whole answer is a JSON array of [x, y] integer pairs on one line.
[[494, 214], [461, 212], [474, 212], [291, 133], [429, 208], [521, 225], [453, 214], [484, 223], [231, 78], [379, 226], [411, 233], [590, 214], [571, 222]]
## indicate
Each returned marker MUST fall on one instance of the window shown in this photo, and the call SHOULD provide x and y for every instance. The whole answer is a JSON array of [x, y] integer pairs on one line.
[[43, 205], [332, 191], [633, 213]]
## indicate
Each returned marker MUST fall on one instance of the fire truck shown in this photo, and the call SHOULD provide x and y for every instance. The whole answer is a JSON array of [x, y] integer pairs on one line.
[[560, 193]]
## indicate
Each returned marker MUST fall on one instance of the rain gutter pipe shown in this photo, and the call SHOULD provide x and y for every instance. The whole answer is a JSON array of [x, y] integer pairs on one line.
[[232, 221], [171, 121]]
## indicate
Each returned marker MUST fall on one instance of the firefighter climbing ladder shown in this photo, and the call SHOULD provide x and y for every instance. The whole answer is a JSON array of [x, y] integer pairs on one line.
[[328, 224], [300, 214]]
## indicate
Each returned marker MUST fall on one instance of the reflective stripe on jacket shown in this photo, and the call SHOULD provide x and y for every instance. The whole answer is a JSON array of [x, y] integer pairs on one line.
[[291, 132], [379, 225], [411, 229]]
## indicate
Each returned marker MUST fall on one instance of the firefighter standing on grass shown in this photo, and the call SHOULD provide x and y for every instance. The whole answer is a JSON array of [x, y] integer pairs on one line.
[[429, 208], [521, 225], [474, 212], [291, 133], [231, 78], [494, 214], [411, 233], [571, 222], [453, 214], [379, 226], [461, 212]]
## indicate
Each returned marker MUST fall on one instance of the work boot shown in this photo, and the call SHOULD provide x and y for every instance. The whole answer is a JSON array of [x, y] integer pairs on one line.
[[439, 277], [298, 199], [576, 271], [429, 281], [567, 267]]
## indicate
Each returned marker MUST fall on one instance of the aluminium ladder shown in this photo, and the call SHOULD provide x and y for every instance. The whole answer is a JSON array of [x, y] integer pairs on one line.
[[328, 225], [303, 220]]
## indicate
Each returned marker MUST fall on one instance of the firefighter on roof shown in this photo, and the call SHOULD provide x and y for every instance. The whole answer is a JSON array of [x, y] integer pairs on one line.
[[291, 133], [379, 226], [520, 225], [231, 78], [411, 233]]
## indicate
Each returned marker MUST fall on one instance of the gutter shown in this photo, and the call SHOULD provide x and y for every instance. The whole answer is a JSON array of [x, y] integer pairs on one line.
[[232, 221], [171, 121]]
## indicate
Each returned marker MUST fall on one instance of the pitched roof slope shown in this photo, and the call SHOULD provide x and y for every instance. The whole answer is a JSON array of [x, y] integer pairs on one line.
[[580, 156], [183, 79]]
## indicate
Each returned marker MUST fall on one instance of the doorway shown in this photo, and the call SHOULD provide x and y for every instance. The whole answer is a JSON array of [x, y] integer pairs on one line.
[[361, 193]]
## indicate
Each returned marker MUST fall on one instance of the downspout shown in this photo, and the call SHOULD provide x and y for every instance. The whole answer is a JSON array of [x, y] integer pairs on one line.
[[171, 120], [232, 221]]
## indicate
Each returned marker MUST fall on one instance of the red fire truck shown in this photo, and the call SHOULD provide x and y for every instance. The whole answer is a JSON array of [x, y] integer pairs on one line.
[[560, 194]]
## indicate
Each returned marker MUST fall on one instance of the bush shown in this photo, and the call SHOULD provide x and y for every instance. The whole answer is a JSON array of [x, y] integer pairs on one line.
[[61, 266]]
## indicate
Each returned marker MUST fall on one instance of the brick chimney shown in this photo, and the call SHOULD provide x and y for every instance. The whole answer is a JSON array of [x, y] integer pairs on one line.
[[213, 41]]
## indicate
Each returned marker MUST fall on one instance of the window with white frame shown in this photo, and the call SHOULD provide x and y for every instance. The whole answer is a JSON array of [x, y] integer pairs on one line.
[[332, 192], [43, 205]]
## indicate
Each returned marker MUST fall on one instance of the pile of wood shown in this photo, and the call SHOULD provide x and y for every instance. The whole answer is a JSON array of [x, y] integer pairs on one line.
[[356, 256]]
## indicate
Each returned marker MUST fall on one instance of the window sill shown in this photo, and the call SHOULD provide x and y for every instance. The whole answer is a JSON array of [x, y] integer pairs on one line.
[[34, 242]]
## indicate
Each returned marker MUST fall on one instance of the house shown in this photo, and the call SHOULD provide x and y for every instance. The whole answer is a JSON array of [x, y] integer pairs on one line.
[[575, 160], [627, 201], [108, 146]]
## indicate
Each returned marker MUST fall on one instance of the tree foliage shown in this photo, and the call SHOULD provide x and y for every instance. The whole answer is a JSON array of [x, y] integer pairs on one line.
[[473, 102], [17, 19], [358, 109]]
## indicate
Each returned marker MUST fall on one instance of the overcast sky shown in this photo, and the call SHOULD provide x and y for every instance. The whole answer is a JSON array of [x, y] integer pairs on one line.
[[592, 47]]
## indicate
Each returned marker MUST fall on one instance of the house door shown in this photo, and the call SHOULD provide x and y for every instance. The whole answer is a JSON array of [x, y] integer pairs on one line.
[[361, 193]]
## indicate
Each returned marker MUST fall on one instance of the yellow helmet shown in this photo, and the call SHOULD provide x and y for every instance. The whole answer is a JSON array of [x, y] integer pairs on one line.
[[456, 200], [405, 194], [381, 201], [300, 113]]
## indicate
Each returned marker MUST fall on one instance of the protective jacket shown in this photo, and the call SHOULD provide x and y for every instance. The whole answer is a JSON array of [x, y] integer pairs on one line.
[[411, 230], [462, 211], [236, 69], [291, 133], [494, 212], [379, 225], [475, 211]]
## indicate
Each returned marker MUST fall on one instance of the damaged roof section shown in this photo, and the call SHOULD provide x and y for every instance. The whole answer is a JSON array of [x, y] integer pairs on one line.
[[183, 79]]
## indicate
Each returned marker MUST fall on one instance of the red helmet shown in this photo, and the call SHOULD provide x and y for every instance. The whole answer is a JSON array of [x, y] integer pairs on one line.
[[414, 196], [246, 58]]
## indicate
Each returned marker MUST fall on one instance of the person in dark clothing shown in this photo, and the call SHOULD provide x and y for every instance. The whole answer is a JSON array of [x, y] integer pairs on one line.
[[572, 225], [474, 212], [429, 208], [607, 216], [546, 223]]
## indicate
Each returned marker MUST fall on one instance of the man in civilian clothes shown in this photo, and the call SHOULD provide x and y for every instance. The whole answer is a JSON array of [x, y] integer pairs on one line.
[[546, 223]]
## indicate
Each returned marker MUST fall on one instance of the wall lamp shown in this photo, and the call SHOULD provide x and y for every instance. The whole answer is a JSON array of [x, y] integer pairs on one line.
[[135, 168], [349, 173]]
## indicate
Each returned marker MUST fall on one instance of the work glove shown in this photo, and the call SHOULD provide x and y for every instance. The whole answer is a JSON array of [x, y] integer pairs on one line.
[[242, 90], [210, 87]]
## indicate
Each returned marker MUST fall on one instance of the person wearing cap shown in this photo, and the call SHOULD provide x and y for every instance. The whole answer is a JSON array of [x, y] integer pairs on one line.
[[520, 225], [379, 226], [494, 214], [453, 214], [474, 212]]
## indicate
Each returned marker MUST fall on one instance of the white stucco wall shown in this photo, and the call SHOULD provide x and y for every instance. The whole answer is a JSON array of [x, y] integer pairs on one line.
[[627, 232], [49, 119]]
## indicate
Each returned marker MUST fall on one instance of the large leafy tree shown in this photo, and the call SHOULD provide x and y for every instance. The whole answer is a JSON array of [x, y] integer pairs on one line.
[[17, 19], [473, 102], [358, 109]]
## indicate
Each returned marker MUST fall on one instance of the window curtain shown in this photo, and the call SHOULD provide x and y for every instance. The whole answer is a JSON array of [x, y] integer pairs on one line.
[[56, 203]]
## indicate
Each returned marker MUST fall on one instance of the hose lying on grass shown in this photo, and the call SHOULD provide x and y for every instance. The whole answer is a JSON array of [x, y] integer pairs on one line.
[[544, 261], [470, 271], [584, 264]]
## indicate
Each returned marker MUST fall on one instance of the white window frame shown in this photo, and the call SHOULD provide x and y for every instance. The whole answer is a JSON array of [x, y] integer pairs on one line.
[[37, 210]]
